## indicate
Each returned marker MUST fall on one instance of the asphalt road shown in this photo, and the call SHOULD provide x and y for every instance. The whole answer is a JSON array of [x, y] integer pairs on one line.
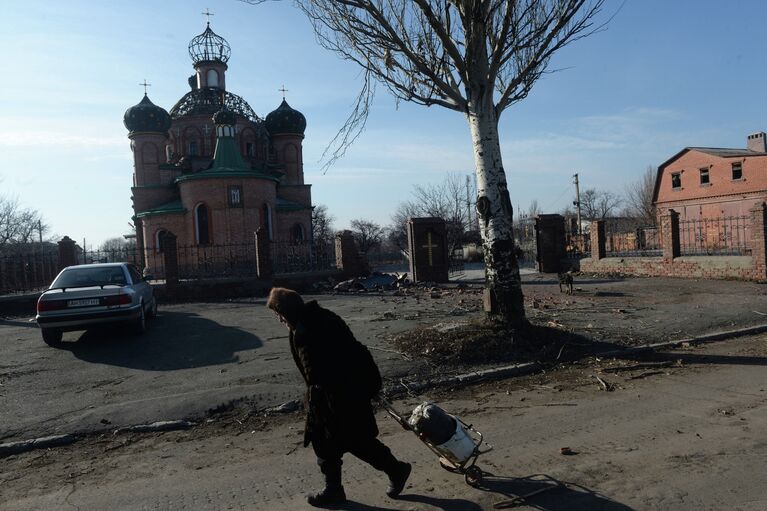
[[683, 430]]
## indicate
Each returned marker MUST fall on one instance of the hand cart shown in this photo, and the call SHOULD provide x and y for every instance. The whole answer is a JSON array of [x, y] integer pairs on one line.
[[459, 454]]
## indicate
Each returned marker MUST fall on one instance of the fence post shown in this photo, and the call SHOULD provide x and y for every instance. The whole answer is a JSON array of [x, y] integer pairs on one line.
[[264, 267], [598, 250], [759, 240], [670, 235], [67, 255], [170, 260], [348, 259]]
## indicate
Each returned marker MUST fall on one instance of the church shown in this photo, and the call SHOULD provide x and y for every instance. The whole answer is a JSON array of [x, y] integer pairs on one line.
[[212, 172]]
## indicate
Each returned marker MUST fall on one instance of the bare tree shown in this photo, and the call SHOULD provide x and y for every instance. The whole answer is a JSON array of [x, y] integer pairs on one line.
[[477, 57], [19, 225], [598, 204], [447, 200], [322, 225], [367, 234], [639, 197], [533, 210]]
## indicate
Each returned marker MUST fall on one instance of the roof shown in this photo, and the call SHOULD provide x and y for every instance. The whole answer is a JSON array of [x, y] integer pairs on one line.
[[286, 205], [168, 208]]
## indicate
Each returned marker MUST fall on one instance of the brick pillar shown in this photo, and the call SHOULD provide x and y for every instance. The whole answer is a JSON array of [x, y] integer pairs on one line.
[[264, 266], [759, 240], [598, 250], [348, 259], [67, 253], [669, 227], [170, 261]]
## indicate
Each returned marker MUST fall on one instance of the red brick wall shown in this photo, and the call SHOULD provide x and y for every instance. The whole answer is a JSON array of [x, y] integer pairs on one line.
[[723, 197], [703, 267]]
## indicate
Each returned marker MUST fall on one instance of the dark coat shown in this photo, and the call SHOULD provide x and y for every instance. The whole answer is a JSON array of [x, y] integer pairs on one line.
[[340, 375]]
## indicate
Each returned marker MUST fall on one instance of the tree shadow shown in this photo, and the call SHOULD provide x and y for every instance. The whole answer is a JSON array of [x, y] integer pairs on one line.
[[554, 495], [173, 340]]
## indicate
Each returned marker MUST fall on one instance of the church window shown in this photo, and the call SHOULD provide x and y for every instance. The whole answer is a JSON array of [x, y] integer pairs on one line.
[[737, 171], [158, 241], [193, 150], [235, 196], [250, 149], [266, 220], [297, 233], [202, 224], [676, 180], [212, 78]]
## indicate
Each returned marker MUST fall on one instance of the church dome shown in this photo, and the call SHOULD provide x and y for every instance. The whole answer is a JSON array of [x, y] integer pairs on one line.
[[209, 46], [146, 116], [285, 120]]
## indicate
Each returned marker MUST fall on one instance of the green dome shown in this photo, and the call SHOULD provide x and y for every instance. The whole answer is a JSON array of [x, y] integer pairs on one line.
[[285, 120], [146, 116]]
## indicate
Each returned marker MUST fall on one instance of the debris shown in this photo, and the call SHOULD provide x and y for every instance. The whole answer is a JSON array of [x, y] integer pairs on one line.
[[606, 386], [566, 451], [645, 374], [287, 407]]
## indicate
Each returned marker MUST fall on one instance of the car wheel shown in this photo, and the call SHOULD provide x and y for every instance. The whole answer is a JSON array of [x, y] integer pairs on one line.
[[51, 336], [139, 327]]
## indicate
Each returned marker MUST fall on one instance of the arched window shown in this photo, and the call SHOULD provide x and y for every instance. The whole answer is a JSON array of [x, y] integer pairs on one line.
[[297, 233], [212, 78], [202, 224], [193, 148], [266, 220], [158, 241]]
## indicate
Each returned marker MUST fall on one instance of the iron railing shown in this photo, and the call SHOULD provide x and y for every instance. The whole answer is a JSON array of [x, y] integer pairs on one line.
[[578, 246], [715, 236], [27, 271], [632, 242], [302, 257]]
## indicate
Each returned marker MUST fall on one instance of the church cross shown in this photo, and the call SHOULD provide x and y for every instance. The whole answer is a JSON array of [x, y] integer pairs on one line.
[[145, 85], [430, 246], [206, 129], [208, 14], [283, 90]]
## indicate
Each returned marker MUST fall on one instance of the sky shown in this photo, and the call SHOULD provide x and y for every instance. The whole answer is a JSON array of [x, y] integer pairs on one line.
[[663, 76]]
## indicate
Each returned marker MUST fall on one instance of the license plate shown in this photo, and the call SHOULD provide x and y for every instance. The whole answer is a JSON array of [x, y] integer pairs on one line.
[[83, 303]]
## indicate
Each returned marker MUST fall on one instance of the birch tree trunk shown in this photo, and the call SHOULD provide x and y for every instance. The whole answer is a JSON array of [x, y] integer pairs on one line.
[[503, 297]]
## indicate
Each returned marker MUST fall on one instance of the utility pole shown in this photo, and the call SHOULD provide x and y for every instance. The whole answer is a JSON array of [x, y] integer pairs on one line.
[[577, 202]]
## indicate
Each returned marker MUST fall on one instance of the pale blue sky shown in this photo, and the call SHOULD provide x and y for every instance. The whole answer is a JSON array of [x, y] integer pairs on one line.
[[665, 75]]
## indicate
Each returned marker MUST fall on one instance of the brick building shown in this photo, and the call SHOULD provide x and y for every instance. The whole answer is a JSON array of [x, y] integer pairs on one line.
[[706, 182], [211, 171]]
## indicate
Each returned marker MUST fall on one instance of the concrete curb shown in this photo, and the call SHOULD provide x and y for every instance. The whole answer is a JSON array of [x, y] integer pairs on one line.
[[495, 373]]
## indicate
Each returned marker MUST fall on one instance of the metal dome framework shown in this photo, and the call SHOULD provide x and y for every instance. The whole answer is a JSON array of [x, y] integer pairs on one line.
[[209, 46], [208, 101]]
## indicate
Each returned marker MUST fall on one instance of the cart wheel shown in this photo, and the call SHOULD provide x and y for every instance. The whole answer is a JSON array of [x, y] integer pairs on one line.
[[473, 476], [448, 466]]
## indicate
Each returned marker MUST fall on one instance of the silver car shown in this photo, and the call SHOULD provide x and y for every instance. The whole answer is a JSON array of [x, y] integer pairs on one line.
[[88, 295]]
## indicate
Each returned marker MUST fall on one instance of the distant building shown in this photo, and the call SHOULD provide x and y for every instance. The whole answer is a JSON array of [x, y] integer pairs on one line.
[[211, 171], [707, 182]]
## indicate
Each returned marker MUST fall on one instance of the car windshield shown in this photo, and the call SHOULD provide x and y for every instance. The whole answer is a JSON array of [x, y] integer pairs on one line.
[[83, 277]]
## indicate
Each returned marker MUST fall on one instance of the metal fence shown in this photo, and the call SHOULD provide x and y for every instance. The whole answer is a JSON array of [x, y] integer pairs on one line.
[[578, 246], [216, 261], [715, 236], [625, 241], [27, 271], [302, 257]]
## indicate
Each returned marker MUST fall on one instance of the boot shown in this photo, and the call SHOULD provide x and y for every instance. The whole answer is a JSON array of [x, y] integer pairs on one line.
[[333, 494], [398, 478], [329, 497]]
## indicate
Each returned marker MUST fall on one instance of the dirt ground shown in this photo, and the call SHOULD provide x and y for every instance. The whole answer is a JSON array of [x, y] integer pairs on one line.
[[680, 429]]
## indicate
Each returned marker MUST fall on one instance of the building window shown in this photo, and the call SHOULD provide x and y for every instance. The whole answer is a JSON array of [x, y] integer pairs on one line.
[[704, 177], [193, 148], [159, 239], [202, 224], [297, 233], [266, 220], [212, 78], [235, 196], [676, 180], [737, 171], [250, 149]]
